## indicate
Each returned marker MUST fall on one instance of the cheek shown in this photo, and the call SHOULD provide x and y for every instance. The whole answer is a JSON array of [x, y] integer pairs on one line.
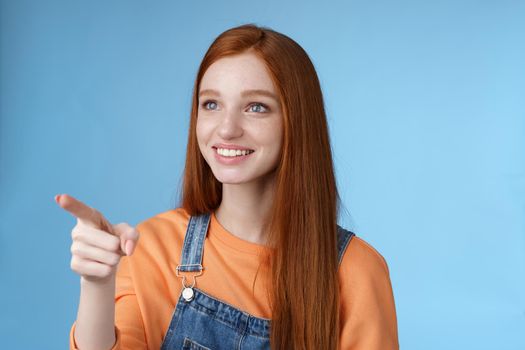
[[271, 134], [202, 131], [279, 138], [202, 139]]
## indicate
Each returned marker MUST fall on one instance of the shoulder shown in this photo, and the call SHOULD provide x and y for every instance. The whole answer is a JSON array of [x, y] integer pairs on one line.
[[361, 261], [368, 312]]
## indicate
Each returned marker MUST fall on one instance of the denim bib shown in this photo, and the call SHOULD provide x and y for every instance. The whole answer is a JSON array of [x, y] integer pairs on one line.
[[201, 321]]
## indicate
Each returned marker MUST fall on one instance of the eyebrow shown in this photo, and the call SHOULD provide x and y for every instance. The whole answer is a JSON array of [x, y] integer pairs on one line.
[[245, 93]]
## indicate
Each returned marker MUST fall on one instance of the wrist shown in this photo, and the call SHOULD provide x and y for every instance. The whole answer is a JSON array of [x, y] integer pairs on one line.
[[109, 281]]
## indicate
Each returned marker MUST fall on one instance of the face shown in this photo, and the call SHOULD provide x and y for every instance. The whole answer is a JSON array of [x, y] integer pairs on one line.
[[239, 120]]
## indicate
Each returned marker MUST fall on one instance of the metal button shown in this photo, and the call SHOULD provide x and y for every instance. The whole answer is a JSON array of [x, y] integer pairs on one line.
[[187, 294]]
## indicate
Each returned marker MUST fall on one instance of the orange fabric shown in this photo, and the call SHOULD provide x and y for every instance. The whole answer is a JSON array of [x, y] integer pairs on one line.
[[147, 287]]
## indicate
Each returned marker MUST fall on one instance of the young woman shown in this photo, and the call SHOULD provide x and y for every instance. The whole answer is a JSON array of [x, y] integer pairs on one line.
[[253, 258]]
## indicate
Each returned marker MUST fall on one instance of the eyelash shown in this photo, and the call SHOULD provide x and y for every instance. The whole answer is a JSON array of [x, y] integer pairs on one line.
[[267, 109]]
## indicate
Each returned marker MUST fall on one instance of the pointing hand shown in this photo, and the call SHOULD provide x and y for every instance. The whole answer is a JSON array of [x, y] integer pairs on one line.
[[97, 244]]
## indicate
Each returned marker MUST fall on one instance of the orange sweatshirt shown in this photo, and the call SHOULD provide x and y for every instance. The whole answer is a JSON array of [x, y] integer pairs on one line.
[[147, 288]]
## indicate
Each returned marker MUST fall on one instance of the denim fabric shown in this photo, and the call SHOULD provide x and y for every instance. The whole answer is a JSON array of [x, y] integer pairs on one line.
[[205, 322]]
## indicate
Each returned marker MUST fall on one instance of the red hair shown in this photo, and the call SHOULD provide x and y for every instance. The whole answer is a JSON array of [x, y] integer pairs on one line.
[[302, 228]]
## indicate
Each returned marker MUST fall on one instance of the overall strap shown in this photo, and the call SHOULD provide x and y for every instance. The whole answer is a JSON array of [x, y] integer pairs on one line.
[[191, 257], [343, 238]]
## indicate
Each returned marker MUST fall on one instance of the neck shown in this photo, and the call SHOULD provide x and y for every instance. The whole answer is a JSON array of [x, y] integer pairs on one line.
[[245, 208]]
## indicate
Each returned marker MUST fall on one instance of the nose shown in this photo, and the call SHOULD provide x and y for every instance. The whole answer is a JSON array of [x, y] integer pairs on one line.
[[230, 126]]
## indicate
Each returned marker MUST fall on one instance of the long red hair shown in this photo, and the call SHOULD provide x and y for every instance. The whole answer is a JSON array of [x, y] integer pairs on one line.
[[302, 228]]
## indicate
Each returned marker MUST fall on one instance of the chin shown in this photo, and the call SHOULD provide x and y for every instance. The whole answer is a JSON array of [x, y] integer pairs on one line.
[[230, 181], [234, 178]]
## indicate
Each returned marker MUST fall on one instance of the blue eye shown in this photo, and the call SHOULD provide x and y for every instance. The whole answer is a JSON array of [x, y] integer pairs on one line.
[[259, 108], [211, 105]]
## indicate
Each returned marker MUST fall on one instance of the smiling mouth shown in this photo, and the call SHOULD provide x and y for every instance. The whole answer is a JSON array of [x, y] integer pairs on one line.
[[225, 152]]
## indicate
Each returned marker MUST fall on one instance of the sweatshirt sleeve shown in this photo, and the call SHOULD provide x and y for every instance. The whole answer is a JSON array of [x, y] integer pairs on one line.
[[368, 315], [129, 328], [73, 345]]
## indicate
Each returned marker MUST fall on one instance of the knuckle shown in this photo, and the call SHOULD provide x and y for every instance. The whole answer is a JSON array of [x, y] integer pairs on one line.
[[105, 270], [78, 248], [75, 249], [74, 264], [75, 233], [134, 234], [114, 243], [131, 233], [79, 233], [123, 229], [116, 229], [113, 259]]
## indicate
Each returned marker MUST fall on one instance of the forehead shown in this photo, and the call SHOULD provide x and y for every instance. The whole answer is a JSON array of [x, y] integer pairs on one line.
[[245, 71]]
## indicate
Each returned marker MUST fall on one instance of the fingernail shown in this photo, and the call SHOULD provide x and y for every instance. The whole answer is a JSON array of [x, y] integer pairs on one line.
[[57, 198], [128, 248]]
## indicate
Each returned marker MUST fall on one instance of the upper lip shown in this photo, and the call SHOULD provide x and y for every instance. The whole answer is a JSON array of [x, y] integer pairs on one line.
[[229, 146]]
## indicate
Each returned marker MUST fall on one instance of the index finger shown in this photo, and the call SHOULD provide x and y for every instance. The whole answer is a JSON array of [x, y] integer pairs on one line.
[[88, 215]]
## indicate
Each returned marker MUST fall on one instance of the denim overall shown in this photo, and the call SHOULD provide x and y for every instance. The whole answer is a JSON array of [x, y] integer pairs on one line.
[[202, 322]]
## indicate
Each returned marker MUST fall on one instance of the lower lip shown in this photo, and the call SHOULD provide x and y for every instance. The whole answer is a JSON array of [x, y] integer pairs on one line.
[[230, 160]]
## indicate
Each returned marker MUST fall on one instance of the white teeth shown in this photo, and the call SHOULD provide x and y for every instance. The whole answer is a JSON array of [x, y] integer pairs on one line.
[[232, 152]]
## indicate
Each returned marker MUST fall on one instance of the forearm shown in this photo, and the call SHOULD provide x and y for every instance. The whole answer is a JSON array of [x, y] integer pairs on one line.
[[95, 325], [95, 254]]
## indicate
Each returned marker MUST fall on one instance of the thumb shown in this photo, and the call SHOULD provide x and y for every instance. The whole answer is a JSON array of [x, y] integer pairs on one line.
[[129, 247], [129, 237], [84, 213]]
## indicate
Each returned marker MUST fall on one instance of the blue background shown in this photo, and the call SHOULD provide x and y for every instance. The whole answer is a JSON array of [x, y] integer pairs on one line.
[[426, 105]]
